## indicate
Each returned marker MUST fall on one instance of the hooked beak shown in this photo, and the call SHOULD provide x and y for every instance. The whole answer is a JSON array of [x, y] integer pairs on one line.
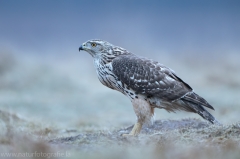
[[80, 48]]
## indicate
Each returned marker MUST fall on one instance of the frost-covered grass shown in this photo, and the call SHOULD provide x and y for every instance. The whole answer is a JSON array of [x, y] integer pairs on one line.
[[58, 106], [187, 138]]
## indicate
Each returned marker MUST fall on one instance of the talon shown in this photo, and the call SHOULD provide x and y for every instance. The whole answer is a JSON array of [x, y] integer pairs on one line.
[[135, 130]]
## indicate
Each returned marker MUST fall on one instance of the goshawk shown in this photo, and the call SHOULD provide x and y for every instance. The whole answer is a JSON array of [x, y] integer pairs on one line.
[[147, 83]]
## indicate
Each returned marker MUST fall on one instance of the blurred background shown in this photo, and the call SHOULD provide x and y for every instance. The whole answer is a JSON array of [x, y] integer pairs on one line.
[[43, 77]]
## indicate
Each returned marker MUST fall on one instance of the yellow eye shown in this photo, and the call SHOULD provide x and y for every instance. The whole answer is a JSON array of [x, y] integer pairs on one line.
[[94, 44]]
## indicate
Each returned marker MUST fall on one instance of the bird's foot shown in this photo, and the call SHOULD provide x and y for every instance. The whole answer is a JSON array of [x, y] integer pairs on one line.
[[135, 131]]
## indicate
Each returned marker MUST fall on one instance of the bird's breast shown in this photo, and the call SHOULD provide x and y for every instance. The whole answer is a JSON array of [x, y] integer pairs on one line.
[[107, 77]]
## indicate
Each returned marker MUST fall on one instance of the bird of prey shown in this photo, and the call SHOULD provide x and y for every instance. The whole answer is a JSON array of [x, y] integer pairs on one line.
[[147, 83]]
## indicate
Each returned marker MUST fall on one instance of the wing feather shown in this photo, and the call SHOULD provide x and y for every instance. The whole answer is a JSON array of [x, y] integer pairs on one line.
[[149, 77]]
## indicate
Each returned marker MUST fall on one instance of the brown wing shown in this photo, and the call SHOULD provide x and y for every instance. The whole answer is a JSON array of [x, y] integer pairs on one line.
[[149, 77]]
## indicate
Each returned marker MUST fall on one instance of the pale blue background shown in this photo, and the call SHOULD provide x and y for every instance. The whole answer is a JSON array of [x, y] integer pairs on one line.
[[172, 26]]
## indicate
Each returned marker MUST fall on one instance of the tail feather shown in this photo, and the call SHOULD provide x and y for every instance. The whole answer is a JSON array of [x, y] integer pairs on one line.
[[195, 98], [201, 111], [196, 103]]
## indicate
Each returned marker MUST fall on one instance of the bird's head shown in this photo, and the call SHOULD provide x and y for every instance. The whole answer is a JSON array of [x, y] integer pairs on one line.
[[102, 49], [96, 47]]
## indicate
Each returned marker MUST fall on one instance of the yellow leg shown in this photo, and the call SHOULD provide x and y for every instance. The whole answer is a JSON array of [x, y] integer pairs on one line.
[[136, 130]]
